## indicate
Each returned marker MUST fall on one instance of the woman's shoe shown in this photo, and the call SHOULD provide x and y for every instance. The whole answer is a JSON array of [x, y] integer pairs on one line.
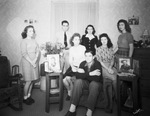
[[108, 110], [31, 99], [70, 113], [68, 98], [27, 101]]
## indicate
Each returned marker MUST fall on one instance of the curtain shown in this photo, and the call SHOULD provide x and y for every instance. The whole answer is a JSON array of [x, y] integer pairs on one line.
[[79, 13]]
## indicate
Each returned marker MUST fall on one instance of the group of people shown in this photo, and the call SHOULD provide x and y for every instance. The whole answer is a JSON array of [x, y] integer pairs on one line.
[[91, 59]]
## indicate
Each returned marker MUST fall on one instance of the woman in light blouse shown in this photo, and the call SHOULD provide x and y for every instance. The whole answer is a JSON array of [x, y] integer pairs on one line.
[[76, 56]]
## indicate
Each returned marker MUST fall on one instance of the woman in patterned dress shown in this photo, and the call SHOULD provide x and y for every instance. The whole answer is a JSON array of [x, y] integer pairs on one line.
[[105, 55], [30, 62]]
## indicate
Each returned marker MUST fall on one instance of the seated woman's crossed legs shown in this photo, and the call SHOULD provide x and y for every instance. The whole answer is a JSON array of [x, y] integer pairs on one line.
[[68, 82]]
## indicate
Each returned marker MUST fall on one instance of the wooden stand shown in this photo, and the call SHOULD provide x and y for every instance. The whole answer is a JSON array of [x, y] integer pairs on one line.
[[57, 97], [135, 93]]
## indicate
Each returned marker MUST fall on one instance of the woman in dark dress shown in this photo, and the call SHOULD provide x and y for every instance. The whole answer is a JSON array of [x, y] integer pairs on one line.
[[89, 39]]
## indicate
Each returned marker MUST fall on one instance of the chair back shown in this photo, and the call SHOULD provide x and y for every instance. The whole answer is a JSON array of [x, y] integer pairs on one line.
[[4, 71], [15, 70]]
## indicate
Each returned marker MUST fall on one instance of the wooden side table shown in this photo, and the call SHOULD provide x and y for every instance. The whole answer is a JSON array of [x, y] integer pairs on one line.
[[135, 92], [54, 98]]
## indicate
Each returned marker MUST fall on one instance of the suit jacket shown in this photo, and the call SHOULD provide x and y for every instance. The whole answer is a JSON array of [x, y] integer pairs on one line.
[[60, 37], [96, 65]]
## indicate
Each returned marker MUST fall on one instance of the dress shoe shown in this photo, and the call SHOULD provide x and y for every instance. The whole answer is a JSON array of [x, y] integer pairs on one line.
[[108, 110], [27, 102], [31, 99], [68, 98], [71, 113]]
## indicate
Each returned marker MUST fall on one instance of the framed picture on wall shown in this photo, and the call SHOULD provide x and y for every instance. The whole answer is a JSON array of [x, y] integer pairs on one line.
[[134, 20], [136, 67], [124, 64]]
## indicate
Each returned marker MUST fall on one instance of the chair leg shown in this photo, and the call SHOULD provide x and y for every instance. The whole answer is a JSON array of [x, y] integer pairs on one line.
[[47, 94], [18, 106], [61, 96]]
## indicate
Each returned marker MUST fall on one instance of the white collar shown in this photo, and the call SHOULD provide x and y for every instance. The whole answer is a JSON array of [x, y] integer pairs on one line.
[[90, 36]]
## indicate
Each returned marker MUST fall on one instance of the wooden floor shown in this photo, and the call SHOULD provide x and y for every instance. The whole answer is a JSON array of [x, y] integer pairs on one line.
[[38, 108]]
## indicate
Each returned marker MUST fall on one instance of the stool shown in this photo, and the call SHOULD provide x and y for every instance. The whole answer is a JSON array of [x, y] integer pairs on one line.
[[54, 97], [135, 92]]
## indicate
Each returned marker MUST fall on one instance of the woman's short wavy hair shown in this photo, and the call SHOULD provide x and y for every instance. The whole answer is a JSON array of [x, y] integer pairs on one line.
[[127, 26], [109, 43], [92, 28], [24, 33], [73, 36]]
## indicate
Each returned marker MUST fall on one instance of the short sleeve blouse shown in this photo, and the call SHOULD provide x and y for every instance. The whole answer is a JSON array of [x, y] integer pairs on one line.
[[125, 39], [104, 54]]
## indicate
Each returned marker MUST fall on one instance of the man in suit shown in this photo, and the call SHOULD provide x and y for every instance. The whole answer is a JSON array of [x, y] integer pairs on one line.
[[63, 37]]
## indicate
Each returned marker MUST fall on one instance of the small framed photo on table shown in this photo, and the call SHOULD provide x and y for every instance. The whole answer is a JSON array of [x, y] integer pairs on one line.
[[124, 64], [53, 63]]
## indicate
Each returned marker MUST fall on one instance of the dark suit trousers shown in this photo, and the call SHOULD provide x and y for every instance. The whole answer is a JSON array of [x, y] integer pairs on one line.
[[93, 87]]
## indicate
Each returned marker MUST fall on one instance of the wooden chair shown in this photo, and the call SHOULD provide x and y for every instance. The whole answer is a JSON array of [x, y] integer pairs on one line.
[[11, 93]]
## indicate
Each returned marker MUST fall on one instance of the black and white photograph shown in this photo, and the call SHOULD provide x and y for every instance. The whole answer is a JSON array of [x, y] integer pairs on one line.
[[133, 20], [53, 61], [65, 57], [124, 64]]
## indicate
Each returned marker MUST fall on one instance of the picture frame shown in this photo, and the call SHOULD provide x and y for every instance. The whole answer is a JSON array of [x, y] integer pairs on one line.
[[53, 63], [124, 64], [136, 66], [134, 20]]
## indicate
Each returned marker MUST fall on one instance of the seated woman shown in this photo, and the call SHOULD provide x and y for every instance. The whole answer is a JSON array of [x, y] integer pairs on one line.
[[105, 55], [76, 56]]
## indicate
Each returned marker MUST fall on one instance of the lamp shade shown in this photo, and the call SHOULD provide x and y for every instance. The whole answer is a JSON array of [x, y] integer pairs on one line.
[[145, 34]]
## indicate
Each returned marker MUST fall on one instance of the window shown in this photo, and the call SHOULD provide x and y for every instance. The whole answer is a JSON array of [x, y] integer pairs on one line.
[[79, 13]]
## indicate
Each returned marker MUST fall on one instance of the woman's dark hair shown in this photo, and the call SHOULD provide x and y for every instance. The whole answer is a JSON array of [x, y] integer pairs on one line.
[[24, 33], [127, 26], [109, 43], [64, 21], [73, 36], [92, 27], [89, 51]]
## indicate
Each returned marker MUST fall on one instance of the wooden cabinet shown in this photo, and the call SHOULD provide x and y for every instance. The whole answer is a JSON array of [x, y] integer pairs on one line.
[[143, 55]]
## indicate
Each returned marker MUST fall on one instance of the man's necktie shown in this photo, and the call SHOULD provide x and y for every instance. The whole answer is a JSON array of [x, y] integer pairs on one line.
[[65, 39]]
